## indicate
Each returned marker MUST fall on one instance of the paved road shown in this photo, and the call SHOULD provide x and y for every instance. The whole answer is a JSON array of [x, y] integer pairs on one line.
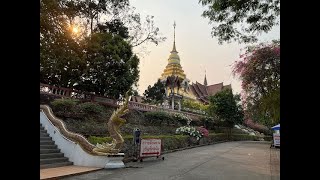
[[226, 161]]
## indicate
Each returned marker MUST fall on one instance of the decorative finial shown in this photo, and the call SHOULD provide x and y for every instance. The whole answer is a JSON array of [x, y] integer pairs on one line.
[[205, 78], [174, 37], [174, 31]]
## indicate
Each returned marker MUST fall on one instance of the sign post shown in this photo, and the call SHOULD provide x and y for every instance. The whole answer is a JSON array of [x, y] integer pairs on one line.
[[150, 148], [276, 139]]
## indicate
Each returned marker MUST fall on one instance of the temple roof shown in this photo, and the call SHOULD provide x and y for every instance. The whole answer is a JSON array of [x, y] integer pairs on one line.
[[202, 92], [213, 89]]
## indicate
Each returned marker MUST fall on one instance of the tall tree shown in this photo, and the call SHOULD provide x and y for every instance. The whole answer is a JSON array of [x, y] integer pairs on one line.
[[259, 71], [241, 20], [155, 94], [64, 54], [112, 66], [61, 54], [226, 107], [93, 10]]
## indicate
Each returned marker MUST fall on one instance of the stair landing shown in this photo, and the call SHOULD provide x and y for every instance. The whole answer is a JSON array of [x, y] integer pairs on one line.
[[53, 173]]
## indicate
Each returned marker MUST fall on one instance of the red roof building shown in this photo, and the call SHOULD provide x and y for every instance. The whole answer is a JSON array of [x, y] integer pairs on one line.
[[202, 92]]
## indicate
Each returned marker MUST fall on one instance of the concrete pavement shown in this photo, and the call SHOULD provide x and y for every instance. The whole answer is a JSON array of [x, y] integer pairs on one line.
[[241, 160]]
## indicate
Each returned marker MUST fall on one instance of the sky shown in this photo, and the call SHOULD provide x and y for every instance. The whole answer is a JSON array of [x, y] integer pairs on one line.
[[198, 50]]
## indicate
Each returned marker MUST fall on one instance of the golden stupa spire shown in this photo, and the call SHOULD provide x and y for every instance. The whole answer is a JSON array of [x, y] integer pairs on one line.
[[173, 68], [174, 37]]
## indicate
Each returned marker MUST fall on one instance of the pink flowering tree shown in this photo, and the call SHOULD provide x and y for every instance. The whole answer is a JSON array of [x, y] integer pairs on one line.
[[259, 70]]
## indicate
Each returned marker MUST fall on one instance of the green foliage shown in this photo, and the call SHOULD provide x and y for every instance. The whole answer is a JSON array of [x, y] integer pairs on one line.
[[181, 118], [259, 71], [208, 122], [91, 109], [226, 106], [172, 142], [61, 62], [87, 125], [154, 94], [112, 66], [189, 130], [194, 106], [243, 137], [115, 27], [254, 16], [100, 61], [157, 118], [64, 105], [94, 140]]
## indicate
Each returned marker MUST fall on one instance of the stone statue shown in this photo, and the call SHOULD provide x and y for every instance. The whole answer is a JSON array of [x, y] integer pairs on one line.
[[114, 123]]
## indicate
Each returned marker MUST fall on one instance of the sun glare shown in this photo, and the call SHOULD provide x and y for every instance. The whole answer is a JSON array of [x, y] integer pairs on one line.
[[75, 30]]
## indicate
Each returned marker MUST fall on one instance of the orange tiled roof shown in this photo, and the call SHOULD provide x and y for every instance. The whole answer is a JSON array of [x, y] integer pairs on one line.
[[213, 89], [202, 92], [198, 92], [202, 88]]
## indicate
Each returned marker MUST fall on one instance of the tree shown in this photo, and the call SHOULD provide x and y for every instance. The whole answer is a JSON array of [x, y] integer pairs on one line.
[[115, 27], [94, 10], [241, 20], [61, 62], [194, 105], [95, 13], [155, 94], [112, 66], [65, 56], [259, 71], [227, 108]]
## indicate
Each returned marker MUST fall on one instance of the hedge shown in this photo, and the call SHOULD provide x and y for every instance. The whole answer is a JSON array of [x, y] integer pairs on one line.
[[172, 142]]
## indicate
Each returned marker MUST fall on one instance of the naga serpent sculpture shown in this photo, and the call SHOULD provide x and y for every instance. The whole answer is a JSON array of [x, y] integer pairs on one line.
[[114, 124]]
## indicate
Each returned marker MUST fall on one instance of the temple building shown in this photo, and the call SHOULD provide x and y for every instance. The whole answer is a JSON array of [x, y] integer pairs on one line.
[[178, 85], [202, 91]]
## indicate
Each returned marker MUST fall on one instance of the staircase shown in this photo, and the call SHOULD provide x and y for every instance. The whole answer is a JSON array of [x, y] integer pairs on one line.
[[50, 155]]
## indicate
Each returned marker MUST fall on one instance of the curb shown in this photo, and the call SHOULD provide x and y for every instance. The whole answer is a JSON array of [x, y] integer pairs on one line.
[[130, 159], [190, 147]]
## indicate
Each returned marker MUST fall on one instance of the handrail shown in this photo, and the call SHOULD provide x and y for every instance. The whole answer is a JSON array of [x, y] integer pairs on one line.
[[77, 138]]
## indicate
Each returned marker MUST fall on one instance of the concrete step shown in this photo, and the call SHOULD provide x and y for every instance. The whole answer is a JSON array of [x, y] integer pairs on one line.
[[53, 160], [51, 155], [44, 135], [46, 151], [48, 146], [45, 139], [43, 166], [46, 142], [43, 131]]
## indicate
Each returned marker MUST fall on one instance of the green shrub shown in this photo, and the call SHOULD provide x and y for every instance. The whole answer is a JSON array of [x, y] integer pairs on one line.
[[208, 122], [268, 138], [172, 142], [92, 109], [64, 105], [181, 119], [157, 118], [194, 106], [243, 137], [94, 140]]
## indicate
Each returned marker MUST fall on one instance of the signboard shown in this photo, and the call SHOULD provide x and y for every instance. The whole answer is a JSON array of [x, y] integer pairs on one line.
[[150, 147], [276, 139]]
